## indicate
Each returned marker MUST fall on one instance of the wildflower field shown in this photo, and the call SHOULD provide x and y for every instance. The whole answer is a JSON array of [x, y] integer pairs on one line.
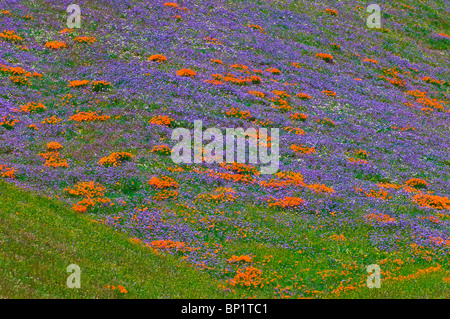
[[87, 177]]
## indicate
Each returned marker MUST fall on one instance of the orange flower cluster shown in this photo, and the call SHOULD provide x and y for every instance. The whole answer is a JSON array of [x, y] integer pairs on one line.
[[432, 201], [241, 168], [321, 188], [8, 121], [88, 117], [161, 120], [163, 182], [242, 258], [85, 39], [157, 58], [100, 85], [430, 102], [6, 171], [53, 159], [389, 185], [281, 104], [281, 94], [186, 73], [53, 146], [325, 57], [233, 79], [257, 93], [331, 12], [361, 153], [236, 112], [256, 27], [380, 217], [403, 129], [286, 202], [20, 80], [239, 67], [329, 92], [32, 107], [303, 96], [10, 35], [171, 4], [161, 149], [300, 149], [273, 71], [115, 159], [250, 277], [296, 65], [121, 288], [216, 61], [55, 45], [51, 120], [417, 93], [444, 35], [298, 116], [5, 12], [91, 191], [78, 83], [432, 81], [416, 183], [370, 60], [296, 130], [357, 161], [381, 194]]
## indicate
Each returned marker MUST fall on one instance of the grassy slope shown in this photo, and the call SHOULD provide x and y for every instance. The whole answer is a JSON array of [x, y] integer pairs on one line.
[[40, 237]]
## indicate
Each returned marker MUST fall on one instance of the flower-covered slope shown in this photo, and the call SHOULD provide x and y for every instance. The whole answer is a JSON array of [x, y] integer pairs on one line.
[[86, 115]]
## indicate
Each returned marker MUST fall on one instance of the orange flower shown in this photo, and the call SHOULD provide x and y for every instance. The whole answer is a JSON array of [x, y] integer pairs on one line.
[[257, 93], [55, 45], [298, 116], [302, 149], [251, 276], [88, 117], [78, 83], [416, 183], [216, 61], [10, 35], [329, 93], [325, 56], [303, 96], [6, 171], [161, 120], [85, 39], [432, 201], [370, 60], [186, 73], [161, 149], [52, 146], [331, 12], [31, 107], [286, 202], [100, 85], [273, 71], [115, 159], [158, 58], [163, 182]]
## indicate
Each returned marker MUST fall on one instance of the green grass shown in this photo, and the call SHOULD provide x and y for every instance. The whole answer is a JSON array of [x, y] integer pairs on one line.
[[40, 237]]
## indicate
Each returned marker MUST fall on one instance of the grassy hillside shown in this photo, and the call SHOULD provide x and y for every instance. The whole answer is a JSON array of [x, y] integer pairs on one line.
[[40, 237]]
